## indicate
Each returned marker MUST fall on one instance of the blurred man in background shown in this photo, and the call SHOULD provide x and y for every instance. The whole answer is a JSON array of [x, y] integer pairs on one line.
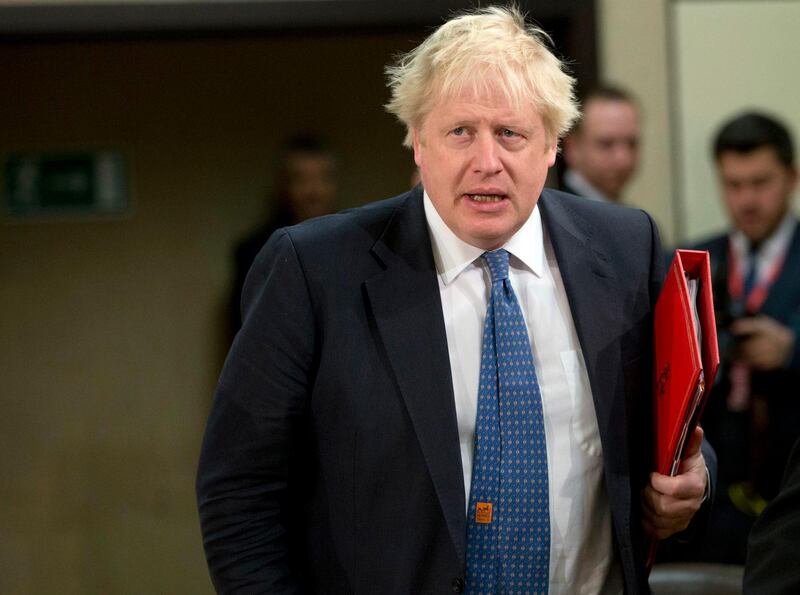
[[306, 188], [753, 415], [602, 151]]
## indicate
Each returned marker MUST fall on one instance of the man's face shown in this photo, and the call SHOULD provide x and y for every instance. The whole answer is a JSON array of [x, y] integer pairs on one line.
[[483, 164], [605, 150], [310, 184], [757, 189]]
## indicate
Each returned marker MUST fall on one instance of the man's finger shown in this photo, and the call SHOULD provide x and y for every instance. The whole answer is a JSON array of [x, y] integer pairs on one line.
[[666, 507], [748, 326], [695, 440], [687, 486]]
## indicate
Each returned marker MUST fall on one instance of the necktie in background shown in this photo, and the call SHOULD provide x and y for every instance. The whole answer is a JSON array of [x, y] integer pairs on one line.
[[750, 280], [508, 524]]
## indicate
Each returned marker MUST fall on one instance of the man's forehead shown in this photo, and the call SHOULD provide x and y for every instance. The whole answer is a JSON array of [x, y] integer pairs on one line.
[[604, 103], [760, 157], [600, 109], [307, 159], [482, 105], [611, 117]]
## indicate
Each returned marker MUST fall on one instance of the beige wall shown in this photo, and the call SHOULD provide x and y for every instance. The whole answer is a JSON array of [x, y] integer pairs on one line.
[[112, 332], [694, 64], [751, 49], [633, 53]]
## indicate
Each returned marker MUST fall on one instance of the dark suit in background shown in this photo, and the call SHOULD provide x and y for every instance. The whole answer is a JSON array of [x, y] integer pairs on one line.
[[306, 187], [773, 550], [750, 454]]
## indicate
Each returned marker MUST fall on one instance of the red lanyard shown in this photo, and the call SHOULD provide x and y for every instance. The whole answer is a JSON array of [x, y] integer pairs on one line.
[[760, 291]]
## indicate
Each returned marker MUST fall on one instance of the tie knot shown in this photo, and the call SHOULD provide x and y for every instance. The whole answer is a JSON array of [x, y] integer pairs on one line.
[[498, 264]]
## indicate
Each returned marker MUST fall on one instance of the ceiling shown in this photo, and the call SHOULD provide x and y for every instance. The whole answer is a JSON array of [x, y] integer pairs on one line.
[[68, 18]]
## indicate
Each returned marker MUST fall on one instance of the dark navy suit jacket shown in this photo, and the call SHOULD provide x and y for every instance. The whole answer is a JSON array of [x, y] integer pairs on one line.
[[779, 387], [773, 550], [331, 458]]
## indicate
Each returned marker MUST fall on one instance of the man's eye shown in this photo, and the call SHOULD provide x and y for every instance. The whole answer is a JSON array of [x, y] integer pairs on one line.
[[459, 131], [508, 133], [761, 182]]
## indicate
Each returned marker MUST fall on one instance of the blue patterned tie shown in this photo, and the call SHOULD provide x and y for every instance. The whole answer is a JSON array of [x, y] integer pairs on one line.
[[508, 524]]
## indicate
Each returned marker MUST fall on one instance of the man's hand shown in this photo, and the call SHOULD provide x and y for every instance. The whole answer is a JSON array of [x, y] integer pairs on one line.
[[669, 503], [764, 343]]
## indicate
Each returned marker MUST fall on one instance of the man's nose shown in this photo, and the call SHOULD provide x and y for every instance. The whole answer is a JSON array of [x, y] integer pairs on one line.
[[624, 155], [748, 196], [486, 155]]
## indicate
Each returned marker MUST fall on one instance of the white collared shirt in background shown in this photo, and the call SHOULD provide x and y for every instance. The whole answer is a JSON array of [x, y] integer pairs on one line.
[[582, 186], [582, 556], [772, 250]]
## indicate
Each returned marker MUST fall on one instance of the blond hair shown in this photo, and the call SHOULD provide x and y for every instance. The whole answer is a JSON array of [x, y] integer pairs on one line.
[[487, 50]]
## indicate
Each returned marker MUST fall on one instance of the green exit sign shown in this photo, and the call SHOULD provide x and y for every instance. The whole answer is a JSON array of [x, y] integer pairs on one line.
[[91, 183]]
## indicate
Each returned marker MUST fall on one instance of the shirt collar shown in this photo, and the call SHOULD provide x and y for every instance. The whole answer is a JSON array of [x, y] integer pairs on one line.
[[582, 186], [452, 255], [773, 246]]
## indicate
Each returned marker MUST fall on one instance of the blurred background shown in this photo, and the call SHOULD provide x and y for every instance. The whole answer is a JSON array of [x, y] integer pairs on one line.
[[114, 311]]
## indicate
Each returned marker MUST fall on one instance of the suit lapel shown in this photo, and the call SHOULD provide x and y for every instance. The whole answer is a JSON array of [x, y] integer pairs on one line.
[[781, 296], [407, 308]]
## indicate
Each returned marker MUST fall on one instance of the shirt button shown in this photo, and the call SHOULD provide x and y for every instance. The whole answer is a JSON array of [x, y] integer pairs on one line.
[[458, 585]]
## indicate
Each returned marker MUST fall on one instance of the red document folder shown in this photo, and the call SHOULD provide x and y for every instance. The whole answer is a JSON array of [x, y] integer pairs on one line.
[[685, 361]]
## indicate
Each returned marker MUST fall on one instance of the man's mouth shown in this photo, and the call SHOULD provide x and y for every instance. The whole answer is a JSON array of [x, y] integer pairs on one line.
[[486, 197]]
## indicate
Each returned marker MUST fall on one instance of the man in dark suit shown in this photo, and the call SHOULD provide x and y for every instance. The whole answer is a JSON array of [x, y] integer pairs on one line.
[[306, 188], [449, 390], [753, 414], [773, 548]]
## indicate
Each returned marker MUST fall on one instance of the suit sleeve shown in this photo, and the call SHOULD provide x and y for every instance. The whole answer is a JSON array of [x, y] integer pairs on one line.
[[692, 534], [773, 549], [261, 398], [794, 358]]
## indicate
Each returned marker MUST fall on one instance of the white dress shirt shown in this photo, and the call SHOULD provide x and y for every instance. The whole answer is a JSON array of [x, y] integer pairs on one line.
[[582, 556], [771, 252], [582, 186]]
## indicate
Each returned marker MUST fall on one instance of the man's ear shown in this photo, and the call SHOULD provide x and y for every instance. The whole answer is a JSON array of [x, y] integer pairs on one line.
[[568, 146], [794, 179], [416, 143], [551, 153]]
